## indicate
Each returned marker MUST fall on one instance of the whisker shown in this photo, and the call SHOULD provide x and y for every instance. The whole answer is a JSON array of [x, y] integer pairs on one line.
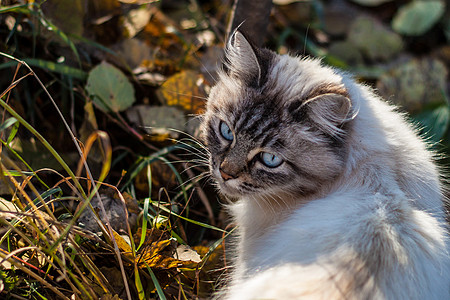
[[188, 95], [195, 141], [192, 147], [192, 167], [206, 69], [193, 180]]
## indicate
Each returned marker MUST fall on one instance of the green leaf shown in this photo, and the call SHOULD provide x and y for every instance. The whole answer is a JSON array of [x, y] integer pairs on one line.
[[417, 17], [375, 40], [435, 122], [13, 132], [110, 88], [415, 85], [8, 123]]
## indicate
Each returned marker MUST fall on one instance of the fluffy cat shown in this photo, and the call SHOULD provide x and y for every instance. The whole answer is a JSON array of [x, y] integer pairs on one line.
[[334, 194]]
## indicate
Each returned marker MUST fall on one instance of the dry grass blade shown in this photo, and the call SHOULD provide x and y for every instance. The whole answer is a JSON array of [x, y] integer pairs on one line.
[[14, 84], [57, 239]]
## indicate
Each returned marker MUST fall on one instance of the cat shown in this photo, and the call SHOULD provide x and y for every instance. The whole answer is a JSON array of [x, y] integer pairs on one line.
[[333, 193]]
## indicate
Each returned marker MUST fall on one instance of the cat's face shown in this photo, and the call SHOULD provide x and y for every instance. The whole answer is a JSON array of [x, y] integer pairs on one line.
[[274, 124]]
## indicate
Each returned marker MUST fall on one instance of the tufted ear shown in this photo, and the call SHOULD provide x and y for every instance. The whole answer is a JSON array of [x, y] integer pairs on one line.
[[329, 111], [241, 59]]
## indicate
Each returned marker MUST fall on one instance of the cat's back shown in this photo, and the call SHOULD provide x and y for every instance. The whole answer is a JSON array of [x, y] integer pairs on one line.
[[350, 245]]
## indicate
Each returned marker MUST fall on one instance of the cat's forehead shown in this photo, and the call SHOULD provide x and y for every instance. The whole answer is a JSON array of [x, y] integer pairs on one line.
[[241, 104], [264, 111], [288, 79], [299, 78]]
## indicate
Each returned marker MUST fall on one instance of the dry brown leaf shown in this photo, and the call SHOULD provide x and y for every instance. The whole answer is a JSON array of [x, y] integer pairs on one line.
[[115, 212], [136, 19], [161, 122], [8, 210]]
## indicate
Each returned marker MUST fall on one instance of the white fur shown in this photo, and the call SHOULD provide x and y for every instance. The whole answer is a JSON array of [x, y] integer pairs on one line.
[[377, 232]]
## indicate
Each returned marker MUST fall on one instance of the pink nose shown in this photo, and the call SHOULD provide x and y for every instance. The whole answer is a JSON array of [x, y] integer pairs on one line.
[[225, 176]]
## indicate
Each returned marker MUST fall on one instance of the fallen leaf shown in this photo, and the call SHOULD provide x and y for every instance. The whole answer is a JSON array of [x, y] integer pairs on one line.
[[171, 50], [159, 251], [415, 85], [104, 5], [158, 121], [123, 244], [136, 19], [185, 90], [374, 40], [347, 52], [134, 51], [335, 19], [417, 17], [8, 210], [186, 253], [110, 88], [115, 213]]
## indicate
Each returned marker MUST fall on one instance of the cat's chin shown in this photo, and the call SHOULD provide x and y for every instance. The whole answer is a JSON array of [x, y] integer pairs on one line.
[[231, 188], [229, 191]]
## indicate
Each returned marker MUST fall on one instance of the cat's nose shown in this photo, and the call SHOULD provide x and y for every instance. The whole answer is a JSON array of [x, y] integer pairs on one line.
[[226, 176]]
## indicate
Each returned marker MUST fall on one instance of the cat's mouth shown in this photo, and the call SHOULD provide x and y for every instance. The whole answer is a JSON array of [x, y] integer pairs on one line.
[[229, 187], [236, 187]]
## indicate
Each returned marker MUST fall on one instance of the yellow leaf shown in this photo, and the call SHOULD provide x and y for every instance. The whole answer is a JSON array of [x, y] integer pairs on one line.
[[123, 244], [158, 252], [186, 90]]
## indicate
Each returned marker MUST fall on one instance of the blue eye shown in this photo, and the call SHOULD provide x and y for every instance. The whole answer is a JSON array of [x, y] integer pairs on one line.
[[225, 131], [270, 160]]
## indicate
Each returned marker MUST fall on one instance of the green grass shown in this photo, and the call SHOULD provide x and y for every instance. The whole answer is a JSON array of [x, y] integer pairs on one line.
[[47, 255]]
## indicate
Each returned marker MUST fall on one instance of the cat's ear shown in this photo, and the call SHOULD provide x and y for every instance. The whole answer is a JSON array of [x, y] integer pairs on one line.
[[329, 111], [241, 59]]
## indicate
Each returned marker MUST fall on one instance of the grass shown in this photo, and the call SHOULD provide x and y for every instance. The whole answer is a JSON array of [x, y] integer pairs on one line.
[[47, 254]]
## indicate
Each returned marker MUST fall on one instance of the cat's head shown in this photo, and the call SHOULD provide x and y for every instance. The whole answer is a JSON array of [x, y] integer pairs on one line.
[[275, 123]]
